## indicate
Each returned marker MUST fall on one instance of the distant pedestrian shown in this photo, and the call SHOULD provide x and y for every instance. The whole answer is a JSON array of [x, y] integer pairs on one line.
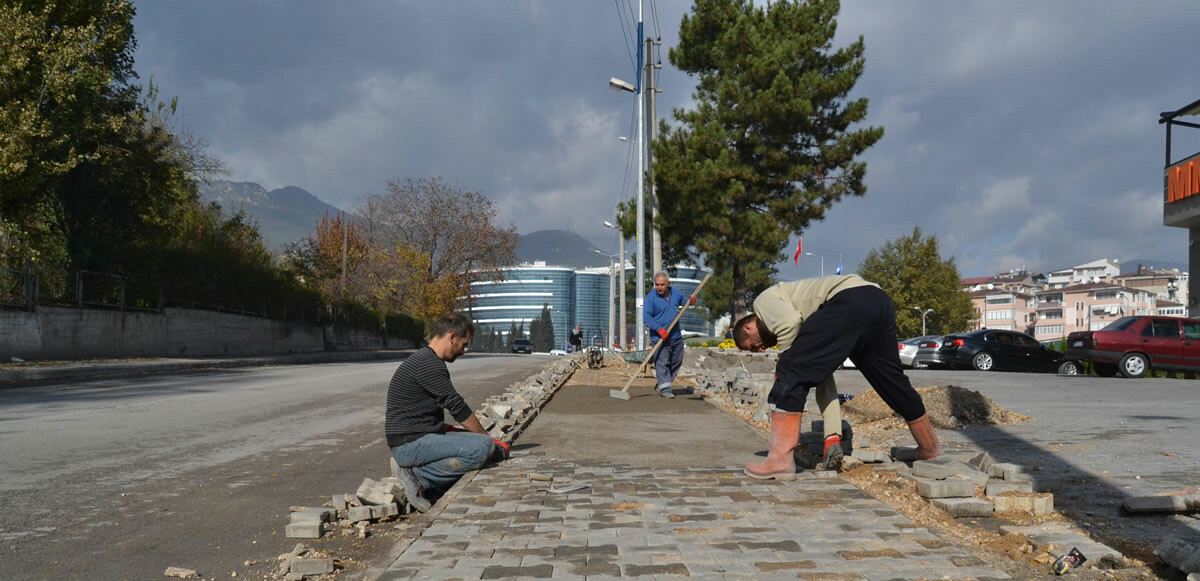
[[658, 312], [575, 339], [433, 455], [828, 320]]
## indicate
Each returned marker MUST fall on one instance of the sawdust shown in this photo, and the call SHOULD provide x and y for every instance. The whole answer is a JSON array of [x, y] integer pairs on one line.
[[948, 406]]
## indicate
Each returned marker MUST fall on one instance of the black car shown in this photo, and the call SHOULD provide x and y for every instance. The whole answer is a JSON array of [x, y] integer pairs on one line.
[[522, 346], [988, 349]]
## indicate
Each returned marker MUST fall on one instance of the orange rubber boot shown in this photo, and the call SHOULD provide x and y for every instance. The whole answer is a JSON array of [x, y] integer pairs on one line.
[[785, 435]]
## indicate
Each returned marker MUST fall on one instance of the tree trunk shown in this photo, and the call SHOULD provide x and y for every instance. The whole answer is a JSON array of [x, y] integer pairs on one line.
[[739, 290]]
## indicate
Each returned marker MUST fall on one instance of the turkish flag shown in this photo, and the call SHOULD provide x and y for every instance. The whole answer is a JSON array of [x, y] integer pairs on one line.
[[799, 249]]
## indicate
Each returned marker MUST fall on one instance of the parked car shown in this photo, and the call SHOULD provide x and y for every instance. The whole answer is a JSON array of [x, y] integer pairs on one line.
[[1134, 346], [927, 353], [908, 349], [558, 352], [522, 346], [989, 349]]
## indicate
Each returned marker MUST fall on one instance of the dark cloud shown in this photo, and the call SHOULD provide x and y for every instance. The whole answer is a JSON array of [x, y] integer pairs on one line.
[[1020, 133]]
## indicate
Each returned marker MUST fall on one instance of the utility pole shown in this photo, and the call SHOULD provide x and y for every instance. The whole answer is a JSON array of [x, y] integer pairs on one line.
[[641, 194], [651, 133], [345, 235]]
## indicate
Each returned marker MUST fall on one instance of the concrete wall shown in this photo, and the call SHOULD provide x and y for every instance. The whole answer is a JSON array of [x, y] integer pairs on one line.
[[63, 333]]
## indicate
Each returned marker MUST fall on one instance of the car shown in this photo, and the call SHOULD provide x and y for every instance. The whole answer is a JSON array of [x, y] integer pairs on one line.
[[927, 353], [908, 349], [522, 346], [1134, 346], [558, 352], [993, 349]]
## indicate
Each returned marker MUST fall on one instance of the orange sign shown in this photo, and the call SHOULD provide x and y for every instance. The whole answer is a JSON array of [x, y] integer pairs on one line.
[[1183, 180]]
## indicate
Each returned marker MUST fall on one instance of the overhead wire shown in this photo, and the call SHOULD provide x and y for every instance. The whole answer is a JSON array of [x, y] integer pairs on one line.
[[621, 17]]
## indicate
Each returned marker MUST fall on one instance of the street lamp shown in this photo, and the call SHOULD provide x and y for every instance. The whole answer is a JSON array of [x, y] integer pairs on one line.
[[621, 284], [612, 258], [923, 313], [822, 261], [620, 85]]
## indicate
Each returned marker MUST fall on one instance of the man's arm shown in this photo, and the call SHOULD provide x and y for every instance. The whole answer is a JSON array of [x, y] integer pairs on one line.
[[472, 425]]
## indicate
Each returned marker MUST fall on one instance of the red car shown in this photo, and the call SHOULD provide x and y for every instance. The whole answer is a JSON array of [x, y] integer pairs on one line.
[[1134, 346]]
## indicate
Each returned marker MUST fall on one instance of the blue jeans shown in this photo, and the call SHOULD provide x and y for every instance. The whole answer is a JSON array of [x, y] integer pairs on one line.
[[667, 362], [439, 460]]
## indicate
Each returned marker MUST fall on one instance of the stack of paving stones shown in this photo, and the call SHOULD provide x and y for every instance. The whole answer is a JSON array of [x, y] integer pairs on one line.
[[505, 416], [708, 523], [1181, 555], [374, 500]]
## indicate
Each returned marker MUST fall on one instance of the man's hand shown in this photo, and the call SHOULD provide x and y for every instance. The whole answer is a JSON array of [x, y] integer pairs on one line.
[[691, 301], [662, 333]]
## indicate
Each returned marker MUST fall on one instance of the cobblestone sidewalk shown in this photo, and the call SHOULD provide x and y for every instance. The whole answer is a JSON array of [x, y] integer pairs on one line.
[[705, 523]]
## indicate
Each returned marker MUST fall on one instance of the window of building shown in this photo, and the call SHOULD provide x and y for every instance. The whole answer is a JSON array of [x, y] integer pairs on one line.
[[1001, 315], [1000, 300], [1051, 330], [1053, 314], [1106, 295]]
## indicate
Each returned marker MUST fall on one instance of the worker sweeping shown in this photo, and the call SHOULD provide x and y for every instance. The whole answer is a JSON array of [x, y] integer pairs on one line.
[[658, 311], [828, 320]]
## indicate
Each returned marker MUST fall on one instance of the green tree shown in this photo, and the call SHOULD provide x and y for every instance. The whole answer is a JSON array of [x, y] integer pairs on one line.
[[911, 270], [769, 146], [541, 331]]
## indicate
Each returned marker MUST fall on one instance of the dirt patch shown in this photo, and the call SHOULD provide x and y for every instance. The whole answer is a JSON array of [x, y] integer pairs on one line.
[[948, 406]]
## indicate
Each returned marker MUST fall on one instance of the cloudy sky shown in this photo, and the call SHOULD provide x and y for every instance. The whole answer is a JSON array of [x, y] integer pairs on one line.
[[1019, 133]]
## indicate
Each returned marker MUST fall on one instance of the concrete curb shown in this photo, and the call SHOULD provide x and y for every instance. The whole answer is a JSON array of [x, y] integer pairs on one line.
[[10, 378]]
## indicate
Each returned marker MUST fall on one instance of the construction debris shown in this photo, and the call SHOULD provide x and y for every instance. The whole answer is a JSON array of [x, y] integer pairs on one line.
[[180, 572]]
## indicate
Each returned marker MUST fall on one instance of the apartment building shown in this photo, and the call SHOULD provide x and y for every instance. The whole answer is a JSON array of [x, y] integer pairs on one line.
[[1084, 297]]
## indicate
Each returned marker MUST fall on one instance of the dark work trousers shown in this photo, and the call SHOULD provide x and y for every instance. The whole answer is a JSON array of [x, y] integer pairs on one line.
[[858, 323]]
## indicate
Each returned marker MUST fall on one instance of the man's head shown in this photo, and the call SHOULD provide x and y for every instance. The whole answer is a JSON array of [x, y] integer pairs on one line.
[[662, 284], [751, 335], [450, 335]]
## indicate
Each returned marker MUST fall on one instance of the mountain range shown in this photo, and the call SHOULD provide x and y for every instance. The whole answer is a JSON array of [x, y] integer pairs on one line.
[[288, 214], [283, 215]]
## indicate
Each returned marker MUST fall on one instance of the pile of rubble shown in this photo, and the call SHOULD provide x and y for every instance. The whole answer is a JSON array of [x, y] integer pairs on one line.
[[505, 416]]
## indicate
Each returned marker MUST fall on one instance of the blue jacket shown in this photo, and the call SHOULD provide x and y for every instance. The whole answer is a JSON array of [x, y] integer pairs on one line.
[[659, 311]]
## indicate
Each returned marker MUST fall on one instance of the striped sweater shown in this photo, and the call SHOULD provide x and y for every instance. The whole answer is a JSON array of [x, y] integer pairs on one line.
[[419, 392]]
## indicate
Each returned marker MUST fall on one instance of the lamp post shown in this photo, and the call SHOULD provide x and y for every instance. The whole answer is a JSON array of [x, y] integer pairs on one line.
[[923, 313], [621, 282], [822, 261], [640, 193], [612, 297]]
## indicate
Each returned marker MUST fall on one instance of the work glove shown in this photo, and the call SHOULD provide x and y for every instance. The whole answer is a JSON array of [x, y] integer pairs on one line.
[[662, 333], [691, 301], [501, 450]]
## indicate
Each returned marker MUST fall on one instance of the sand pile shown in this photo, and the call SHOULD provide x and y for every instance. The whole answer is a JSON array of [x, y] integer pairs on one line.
[[948, 406]]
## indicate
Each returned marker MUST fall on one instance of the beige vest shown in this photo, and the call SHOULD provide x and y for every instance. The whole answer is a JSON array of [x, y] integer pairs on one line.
[[785, 306]]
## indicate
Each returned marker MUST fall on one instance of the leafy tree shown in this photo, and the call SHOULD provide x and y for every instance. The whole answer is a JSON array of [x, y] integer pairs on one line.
[[911, 270], [431, 241], [769, 146]]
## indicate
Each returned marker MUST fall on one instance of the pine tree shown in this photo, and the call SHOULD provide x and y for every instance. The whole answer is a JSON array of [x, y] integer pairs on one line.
[[769, 146], [911, 270]]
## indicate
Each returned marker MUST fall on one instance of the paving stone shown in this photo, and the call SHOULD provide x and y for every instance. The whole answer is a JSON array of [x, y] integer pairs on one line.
[[964, 507], [949, 488], [304, 530], [312, 515], [939, 468], [982, 462], [1035, 504], [871, 456], [312, 566], [995, 487], [903, 453]]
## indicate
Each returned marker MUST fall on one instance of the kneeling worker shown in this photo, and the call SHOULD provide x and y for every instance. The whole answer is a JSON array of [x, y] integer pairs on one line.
[[431, 454], [828, 319]]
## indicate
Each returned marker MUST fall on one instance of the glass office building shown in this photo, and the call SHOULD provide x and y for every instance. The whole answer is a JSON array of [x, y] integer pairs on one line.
[[574, 296]]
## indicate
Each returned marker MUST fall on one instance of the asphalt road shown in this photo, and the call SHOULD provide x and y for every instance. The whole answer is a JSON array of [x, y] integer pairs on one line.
[[122, 478], [1093, 442]]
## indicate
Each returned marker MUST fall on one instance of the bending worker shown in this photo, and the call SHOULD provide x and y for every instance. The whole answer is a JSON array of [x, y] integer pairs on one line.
[[659, 310], [433, 455], [827, 320]]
